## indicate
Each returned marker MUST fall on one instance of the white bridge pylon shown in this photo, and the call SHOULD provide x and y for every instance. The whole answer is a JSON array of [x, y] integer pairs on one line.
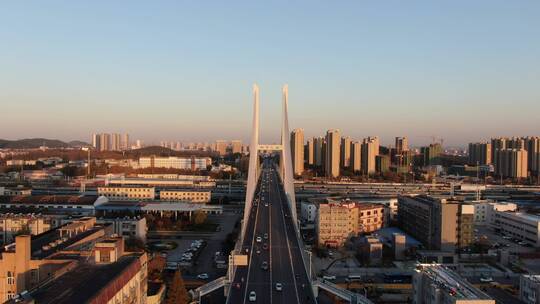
[[284, 150]]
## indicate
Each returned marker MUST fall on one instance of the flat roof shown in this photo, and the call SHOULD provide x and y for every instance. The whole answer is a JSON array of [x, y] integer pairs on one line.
[[157, 206], [83, 283], [51, 200]]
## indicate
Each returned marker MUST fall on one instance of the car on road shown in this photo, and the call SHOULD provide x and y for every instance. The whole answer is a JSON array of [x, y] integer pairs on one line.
[[329, 277], [252, 296], [264, 265], [203, 276], [266, 204], [279, 287], [486, 279], [265, 246], [266, 236], [258, 239]]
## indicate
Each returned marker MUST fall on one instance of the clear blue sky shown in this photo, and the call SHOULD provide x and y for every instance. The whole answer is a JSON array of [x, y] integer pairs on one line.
[[463, 70]]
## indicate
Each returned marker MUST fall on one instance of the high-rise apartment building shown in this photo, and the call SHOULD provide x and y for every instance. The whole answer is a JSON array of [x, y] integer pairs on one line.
[[236, 146], [221, 147], [532, 145], [104, 142], [512, 163], [345, 153], [96, 141], [382, 163], [440, 224], [480, 153], [332, 153], [297, 151], [402, 145], [356, 156], [310, 152], [318, 151], [370, 150], [125, 142], [116, 141], [431, 154]]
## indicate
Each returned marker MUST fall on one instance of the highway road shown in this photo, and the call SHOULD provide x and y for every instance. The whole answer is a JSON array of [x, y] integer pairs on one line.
[[271, 238]]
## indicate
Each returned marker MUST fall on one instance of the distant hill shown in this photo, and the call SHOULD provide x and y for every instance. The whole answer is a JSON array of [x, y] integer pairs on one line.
[[33, 143]]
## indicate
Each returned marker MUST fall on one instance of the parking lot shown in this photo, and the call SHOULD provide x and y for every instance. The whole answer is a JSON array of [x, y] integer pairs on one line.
[[198, 260], [501, 241]]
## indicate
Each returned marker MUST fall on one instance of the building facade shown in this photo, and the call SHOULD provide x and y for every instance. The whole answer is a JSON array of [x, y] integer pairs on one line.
[[185, 196], [127, 193], [332, 153], [480, 153], [519, 225], [439, 224], [338, 221], [297, 151]]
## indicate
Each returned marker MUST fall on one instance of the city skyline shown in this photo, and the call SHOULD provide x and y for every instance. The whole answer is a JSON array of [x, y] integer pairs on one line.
[[358, 67]]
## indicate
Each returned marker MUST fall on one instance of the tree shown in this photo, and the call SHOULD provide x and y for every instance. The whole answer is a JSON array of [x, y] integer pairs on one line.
[[199, 217], [177, 293], [155, 268]]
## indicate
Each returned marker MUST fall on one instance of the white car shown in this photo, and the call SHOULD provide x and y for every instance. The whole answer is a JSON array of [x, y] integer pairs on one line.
[[252, 296], [329, 277], [486, 279], [203, 276], [279, 287], [259, 239]]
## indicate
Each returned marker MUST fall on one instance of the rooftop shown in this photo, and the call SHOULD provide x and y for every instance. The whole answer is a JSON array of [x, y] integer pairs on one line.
[[50, 199], [85, 282]]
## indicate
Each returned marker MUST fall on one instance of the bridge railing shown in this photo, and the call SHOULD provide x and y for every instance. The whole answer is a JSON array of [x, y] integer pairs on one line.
[[345, 294], [209, 287]]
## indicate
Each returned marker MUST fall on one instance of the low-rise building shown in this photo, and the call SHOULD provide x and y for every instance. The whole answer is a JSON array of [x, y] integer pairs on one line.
[[185, 195], [485, 210], [128, 227], [17, 191], [54, 204], [186, 163], [34, 260], [20, 162], [337, 221], [440, 224], [115, 276], [519, 225], [308, 212], [12, 224], [529, 288], [434, 284], [128, 193], [371, 250]]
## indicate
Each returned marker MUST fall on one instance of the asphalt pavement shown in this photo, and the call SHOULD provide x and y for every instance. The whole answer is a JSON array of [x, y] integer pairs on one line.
[[270, 220]]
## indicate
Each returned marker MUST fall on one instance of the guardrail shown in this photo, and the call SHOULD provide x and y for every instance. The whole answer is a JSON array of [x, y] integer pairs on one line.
[[209, 287], [344, 294]]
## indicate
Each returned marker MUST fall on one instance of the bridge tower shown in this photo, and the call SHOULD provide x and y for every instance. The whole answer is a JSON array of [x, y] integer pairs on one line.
[[284, 151]]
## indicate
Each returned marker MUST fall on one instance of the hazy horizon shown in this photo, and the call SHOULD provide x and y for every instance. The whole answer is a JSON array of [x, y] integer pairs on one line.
[[183, 71]]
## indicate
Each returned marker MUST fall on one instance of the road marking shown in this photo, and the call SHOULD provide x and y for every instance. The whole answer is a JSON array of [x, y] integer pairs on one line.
[[287, 239], [252, 242], [270, 240]]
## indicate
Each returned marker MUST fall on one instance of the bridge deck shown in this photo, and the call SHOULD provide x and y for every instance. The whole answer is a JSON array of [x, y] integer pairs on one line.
[[270, 215]]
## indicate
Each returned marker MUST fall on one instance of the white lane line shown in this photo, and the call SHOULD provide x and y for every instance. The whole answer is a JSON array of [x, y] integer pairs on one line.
[[287, 240], [270, 238], [251, 249]]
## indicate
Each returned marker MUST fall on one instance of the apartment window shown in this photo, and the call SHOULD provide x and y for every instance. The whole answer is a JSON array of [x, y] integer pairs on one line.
[[105, 258]]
